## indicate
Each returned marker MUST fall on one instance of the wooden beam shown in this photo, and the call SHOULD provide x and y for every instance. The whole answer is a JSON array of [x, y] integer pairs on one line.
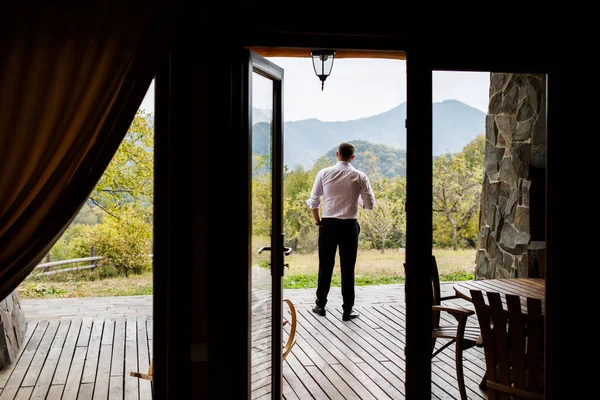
[[305, 53]]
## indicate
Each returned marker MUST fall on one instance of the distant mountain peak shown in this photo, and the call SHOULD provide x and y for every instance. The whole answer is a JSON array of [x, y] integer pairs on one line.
[[455, 124]]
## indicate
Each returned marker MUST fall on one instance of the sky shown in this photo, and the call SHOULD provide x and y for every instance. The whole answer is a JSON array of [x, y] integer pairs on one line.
[[357, 88]]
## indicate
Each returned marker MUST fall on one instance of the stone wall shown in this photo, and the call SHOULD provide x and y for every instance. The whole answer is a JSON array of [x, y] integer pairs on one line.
[[12, 328], [515, 148]]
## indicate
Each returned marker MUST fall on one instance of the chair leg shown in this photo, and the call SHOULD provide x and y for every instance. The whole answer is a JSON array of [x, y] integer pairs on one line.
[[483, 383], [459, 371]]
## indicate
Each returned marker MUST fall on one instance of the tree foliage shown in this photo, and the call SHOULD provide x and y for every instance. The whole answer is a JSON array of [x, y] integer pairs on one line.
[[378, 223], [117, 218], [457, 182], [128, 182], [124, 242], [299, 228]]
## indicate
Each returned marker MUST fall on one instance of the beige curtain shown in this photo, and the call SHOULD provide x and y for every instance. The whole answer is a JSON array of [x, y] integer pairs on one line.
[[71, 80]]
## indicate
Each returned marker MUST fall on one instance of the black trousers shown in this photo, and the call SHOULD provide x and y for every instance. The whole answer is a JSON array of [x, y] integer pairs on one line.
[[333, 234]]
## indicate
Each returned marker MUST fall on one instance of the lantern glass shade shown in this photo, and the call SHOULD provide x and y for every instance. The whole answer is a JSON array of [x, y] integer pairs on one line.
[[322, 63]]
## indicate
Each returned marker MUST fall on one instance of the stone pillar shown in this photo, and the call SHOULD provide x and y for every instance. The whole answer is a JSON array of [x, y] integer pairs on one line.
[[515, 143], [12, 328]]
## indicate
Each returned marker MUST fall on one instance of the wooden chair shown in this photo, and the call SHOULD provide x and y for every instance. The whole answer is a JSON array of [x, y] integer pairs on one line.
[[291, 339], [513, 345], [462, 335], [141, 375]]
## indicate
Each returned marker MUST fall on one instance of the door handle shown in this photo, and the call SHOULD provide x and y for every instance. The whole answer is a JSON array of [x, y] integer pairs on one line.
[[287, 250]]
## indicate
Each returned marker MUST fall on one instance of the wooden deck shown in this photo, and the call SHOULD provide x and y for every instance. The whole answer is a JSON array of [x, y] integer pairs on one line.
[[90, 358], [361, 359], [81, 359]]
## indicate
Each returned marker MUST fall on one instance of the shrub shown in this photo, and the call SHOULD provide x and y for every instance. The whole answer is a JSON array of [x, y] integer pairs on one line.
[[63, 249], [124, 242]]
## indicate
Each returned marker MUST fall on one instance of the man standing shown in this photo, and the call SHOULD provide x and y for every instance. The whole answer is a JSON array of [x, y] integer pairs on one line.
[[342, 187]]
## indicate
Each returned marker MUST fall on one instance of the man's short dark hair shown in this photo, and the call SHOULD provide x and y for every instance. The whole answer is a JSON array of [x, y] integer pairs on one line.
[[346, 150]]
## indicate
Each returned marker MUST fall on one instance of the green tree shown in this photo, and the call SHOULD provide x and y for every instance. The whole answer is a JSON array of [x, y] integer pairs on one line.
[[117, 218], [378, 223], [261, 196], [456, 191], [128, 182], [300, 232], [124, 242], [389, 231]]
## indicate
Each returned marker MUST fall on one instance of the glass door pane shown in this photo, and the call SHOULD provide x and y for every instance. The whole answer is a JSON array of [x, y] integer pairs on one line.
[[267, 228], [262, 188]]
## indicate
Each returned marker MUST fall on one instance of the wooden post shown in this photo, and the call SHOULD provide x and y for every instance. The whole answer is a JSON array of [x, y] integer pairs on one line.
[[93, 254], [48, 259]]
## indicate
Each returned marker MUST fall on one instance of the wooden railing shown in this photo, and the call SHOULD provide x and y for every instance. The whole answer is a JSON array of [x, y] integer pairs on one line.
[[46, 266], [93, 263]]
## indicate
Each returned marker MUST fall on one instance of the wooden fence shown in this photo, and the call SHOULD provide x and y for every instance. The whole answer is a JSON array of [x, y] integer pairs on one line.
[[92, 260], [92, 263]]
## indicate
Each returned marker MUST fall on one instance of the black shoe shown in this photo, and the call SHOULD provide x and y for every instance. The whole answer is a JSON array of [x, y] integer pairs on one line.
[[349, 316], [319, 310]]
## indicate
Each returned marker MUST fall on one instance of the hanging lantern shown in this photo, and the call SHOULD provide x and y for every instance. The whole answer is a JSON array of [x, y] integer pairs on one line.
[[322, 63]]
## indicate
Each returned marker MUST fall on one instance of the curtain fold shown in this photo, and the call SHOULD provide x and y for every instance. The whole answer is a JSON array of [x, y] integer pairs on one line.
[[71, 80]]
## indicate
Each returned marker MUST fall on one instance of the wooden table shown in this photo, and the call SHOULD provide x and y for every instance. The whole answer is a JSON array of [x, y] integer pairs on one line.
[[524, 287]]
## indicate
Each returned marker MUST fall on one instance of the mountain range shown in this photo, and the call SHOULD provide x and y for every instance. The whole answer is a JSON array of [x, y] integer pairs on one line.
[[455, 124]]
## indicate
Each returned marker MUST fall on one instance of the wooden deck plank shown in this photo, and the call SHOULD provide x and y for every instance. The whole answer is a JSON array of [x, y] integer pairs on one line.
[[117, 366], [85, 332], [42, 386], [443, 372], [288, 393], [350, 335], [24, 393], [101, 386], [150, 328], [55, 392], [473, 371], [318, 385], [115, 391], [350, 355], [61, 334], [74, 377], [131, 385], [37, 363], [391, 323], [145, 386], [85, 391], [108, 332], [93, 351], [22, 364], [300, 380], [6, 370], [322, 360], [64, 363]]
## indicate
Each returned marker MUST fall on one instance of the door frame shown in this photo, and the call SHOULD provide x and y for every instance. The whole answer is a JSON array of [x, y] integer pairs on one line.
[[260, 65], [419, 233], [523, 60], [227, 369]]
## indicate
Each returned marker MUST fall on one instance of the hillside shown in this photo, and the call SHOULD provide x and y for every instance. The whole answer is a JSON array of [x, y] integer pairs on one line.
[[390, 161], [455, 124]]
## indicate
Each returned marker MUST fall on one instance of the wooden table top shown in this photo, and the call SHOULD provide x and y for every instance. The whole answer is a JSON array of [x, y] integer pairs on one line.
[[524, 287]]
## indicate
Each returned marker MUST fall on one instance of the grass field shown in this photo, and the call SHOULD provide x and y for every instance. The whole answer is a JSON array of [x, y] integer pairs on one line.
[[375, 268], [372, 267], [373, 262]]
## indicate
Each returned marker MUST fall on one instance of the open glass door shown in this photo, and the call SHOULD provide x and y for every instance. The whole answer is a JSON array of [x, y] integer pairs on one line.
[[266, 129]]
